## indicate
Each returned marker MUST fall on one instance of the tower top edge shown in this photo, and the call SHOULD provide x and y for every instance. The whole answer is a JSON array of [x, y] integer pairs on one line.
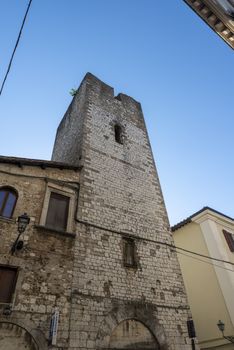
[[108, 91]]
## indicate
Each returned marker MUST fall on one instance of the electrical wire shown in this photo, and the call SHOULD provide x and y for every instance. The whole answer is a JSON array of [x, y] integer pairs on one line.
[[16, 44], [204, 256], [127, 234], [162, 243], [204, 261], [172, 246]]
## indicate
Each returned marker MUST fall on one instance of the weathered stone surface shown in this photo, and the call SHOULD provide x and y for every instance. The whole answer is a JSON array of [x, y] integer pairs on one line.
[[45, 264], [14, 337], [132, 334], [82, 272], [119, 196]]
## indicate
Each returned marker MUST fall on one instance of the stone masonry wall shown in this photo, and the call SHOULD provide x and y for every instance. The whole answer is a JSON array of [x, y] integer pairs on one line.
[[102, 285], [45, 264], [120, 196], [69, 129], [120, 186]]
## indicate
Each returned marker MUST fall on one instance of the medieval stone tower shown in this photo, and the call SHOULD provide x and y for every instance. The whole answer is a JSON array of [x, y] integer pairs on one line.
[[127, 290]]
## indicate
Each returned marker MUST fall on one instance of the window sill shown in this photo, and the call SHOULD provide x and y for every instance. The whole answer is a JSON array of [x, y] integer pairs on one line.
[[10, 220], [129, 266], [56, 231]]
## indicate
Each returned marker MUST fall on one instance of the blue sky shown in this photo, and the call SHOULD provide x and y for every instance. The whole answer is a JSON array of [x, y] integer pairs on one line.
[[158, 52]]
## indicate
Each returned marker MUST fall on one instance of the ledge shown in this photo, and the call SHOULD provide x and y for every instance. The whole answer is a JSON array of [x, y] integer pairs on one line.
[[130, 266], [57, 232], [10, 220], [38, 162]]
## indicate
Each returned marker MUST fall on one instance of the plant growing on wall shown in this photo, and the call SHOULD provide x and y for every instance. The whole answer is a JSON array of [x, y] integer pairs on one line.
[[73, 92]]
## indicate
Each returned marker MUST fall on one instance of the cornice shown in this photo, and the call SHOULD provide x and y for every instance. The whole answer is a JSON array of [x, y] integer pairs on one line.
[[207, 214], [221, 23]]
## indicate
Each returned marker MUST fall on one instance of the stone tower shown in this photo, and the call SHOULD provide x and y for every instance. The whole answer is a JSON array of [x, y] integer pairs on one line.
[[127, 290]]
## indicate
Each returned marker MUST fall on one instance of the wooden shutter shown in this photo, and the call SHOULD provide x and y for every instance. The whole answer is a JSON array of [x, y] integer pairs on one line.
[[57, 214], [228, 236], [7, 283]]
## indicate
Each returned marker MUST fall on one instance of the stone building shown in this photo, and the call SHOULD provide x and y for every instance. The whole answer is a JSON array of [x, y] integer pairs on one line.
[[97, 251]]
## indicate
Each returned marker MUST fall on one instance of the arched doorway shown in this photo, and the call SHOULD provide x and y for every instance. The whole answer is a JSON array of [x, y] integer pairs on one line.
[[14, 337], [131, 335]]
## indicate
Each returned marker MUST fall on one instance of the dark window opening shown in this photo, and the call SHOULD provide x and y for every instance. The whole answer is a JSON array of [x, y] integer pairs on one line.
[[118, 134], [129, 252], [229, 239], [57, 214], [7, 283], [8, 198]]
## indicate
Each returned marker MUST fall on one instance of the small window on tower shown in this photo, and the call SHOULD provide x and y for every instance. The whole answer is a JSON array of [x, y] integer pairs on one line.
[[118, 134], [129, 252]]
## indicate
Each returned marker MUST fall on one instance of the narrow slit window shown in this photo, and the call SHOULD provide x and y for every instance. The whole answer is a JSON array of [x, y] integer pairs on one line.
[[118, 134], [57, 214], [8, 198], [129, 253]]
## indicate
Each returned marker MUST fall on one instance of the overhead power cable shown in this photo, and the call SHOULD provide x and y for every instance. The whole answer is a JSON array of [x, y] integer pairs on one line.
[[205, 262], [203, 256], [172, 246], [16, 44]]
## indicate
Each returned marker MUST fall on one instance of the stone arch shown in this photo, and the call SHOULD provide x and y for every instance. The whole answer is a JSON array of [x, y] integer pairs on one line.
[[132, 334], [17, 336], [142, 313]]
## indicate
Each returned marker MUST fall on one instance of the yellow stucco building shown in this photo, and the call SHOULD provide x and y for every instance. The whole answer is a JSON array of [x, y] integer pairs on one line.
[[209, 283]]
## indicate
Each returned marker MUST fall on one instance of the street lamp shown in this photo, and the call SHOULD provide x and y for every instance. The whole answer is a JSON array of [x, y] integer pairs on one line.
[[221, 327], [23, 221], [191, 332]]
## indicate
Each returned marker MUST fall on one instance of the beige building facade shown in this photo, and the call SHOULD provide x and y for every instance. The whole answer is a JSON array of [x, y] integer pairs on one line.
[[209, 283]]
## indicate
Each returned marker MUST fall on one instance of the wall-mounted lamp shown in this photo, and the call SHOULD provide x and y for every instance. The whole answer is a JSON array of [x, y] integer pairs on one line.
[[7, 310], [23, 221], [221, 327]]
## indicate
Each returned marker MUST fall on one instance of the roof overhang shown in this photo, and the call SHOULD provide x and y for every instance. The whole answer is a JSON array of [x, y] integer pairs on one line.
[[204, 214], [211, 214], [37, 162], [218, 14]]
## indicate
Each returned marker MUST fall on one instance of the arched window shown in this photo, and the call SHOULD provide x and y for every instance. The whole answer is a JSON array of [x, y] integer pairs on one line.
[[8, 198], [118, 133]]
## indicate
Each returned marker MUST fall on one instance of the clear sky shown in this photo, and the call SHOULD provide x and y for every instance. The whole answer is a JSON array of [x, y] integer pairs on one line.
[[158, 52]]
